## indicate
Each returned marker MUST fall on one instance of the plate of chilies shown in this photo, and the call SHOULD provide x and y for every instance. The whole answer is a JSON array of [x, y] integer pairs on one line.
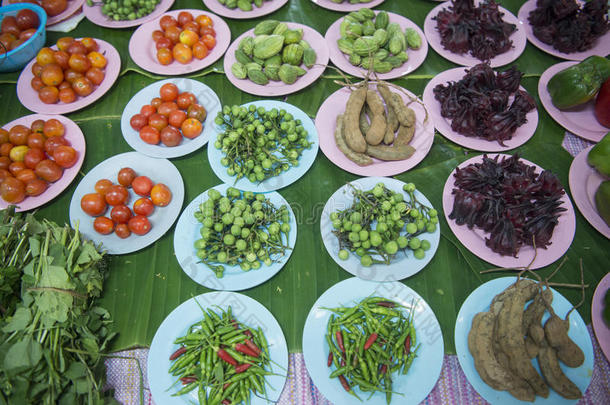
[[268, 7], [246, 311], [411, 388], [475, 239]]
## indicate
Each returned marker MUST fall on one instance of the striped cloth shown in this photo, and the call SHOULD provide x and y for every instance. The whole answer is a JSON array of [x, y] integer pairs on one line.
[[452, 387]]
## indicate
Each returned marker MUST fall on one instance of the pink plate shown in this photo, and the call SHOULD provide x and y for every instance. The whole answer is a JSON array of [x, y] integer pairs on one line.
[[346, 6], [279, 88], [584, 181], [29, 97], [474, 239], [602, 332], [326, 119], [143, 52], [267, 8], [522, 135], [94, 14], [416, 56], [518, 37], [579, 120], [73, 6], [75, 136], [602, 44]]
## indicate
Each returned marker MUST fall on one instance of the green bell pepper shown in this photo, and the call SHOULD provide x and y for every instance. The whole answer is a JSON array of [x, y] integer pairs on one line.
[[599, 156], [580, 83]]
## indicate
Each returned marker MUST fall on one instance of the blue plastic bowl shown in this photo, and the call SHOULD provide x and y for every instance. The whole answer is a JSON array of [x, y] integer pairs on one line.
[[21, 56]]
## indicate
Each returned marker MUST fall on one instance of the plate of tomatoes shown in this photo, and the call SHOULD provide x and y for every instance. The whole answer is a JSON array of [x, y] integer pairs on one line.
[[41, 155], [169, 118], [68, 76], [57, 10], [96, 16], [180, 42], [127, 202]]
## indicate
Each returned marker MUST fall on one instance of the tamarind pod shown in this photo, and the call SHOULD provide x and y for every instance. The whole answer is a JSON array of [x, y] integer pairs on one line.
[[480, 346], [385, 152], [351, 130], [556, 332], [376, 132], [363, 122], [531, 347], [407, 112], [549, 366], [498, 300], [536, 333], [359, 158], [523, 392], [397, 104], [405, 135], [391, 120], [511, 340], [531, 322]]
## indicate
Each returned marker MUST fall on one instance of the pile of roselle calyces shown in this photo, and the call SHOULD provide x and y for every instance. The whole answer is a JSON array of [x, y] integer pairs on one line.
[[509, 200], [480, 30], [568, 27], [478, 104]]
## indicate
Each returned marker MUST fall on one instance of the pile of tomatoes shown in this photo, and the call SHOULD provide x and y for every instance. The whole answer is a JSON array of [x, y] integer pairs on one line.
[[170, 116], [74, 69], [52, 7], [30, 158], [123, 221], [15, 30], [184, 38]]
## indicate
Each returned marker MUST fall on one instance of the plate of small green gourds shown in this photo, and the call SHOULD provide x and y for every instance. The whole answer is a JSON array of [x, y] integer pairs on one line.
[[276, 58], [346, 5], [244, 9]]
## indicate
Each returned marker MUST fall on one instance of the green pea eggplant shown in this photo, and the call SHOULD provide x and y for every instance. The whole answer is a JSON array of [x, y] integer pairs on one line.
[[579, 83]]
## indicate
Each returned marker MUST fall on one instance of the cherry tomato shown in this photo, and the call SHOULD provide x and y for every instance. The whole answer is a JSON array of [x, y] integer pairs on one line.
[[200, 50], [67, 95], [182, 53], [102, 186], [146, 111], [62, 58], [64, 43], [126, 176], [137, 121], [4, 174], [122, 231], [52, 74], [120, 214], [78, 62], [173, 34], [160, 195], [164, 56], [71, 75], [167, 107], [139, 225], [53, 127], [163, 43], [49, 171], [142, 185], [37, 126], [191, 128], [143, 206], [117, 195], [36, 69], [27, 19], [150, 135], [157, 35], [45, 56], [18, 135], [209, 41], [5, 162], [65, 156], [5, 149], [95, 75], [197, 111], [9, 24], [185, 99], [77, 47], [52, 143], [91, 44], [170, 136], [157, 121], [16, 167], [176, 117], [35, 187], [82, 86], [167, 21], [36, 140], [204, 21], [54, 7], [36, 83], [156, 102], [4, 135], [12, 190], [191, 26], [48, 94], [93, 204], [184, 17], [18, 153], [188, 37], [33, 157], [27, 34], [26, 175], [168, 92], [103, 225], [207, 31]]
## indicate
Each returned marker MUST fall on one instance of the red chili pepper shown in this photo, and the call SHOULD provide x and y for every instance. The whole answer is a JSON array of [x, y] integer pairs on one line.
[[253, 346], [383, 369], [226, 401], [181, 350], [330, 359], [343, 361], [226, 357], [225, 386], [408, 344], [240, 347], [369, 342], [242, 367], [234, 323], [248, 333], [188, 379], [345, 383], [339, 338], [387, 304]]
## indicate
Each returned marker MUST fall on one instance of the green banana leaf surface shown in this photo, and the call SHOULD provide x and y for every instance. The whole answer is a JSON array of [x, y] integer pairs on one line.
[[145, 286]]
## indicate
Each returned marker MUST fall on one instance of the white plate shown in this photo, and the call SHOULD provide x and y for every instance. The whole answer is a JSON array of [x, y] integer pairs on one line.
[[205, 96], [426, 367], [176, 324], [478, 301], [345, 6], [402, 265], [235, 279], [285, 178], [159, 171]]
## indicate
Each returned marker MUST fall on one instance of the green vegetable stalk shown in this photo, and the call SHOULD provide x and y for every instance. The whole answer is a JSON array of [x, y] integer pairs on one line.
[[580, 83]]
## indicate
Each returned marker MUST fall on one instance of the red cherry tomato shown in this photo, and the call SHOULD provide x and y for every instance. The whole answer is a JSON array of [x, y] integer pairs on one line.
[[93, 204], [49, 171], [140, 225], [102, 186], [126, 176], [65, 156], [122, 231], [103, 225], [142, 185], [120, 214], [116, 195], [143, 206], [160, 195]]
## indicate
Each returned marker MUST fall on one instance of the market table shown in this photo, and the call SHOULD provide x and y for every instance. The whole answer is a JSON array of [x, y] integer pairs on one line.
[[143, 287]]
